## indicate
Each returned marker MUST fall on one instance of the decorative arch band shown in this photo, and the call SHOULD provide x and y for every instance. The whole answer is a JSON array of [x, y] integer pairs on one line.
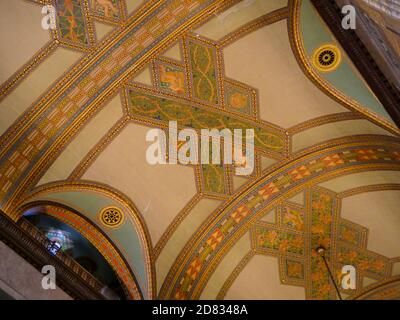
[[203, 252], [387, 290], [89, 199], [100, 241]]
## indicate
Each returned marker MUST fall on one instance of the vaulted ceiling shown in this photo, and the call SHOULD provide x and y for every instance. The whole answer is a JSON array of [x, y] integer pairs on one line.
[[77, 102]]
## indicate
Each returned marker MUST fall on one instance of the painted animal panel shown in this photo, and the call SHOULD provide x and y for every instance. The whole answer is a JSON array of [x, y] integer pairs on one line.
[[106, 8], [171, 78], [292, 218]]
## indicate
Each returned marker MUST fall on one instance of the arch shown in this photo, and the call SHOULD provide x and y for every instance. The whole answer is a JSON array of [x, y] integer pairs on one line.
[[96, 237], [368, 188], [229, 281], [209, 244], [304, 62], [130, 239], [384, 290]]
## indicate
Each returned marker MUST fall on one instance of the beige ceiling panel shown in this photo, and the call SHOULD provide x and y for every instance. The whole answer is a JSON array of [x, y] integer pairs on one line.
[[159, 191], [266, 162], [396, 269], [269, 217], [132, 5], [238, 182], [181, 236], [225, 267], [260, 280], [379, 212], [298, 198], [102, 29], [144, 77], [264, 60], [174, 52], [238, 15], [84, 141], [334, 130], [21, 35], [356, 180], [26, 93]]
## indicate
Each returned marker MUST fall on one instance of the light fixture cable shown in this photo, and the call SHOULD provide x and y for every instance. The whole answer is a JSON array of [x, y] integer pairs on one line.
[[321, 251]]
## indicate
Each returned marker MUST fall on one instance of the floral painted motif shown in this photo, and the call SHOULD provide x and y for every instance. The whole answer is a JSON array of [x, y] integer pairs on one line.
[[323, 204], [237, 98], [278, 241], [294, 269], [292, 218], [71, 21], [349, 234], [322, 207], [364, 261], [106, 8], [171, 78]]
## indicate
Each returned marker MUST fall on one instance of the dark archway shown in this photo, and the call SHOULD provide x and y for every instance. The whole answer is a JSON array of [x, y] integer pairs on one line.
[[71, 242]]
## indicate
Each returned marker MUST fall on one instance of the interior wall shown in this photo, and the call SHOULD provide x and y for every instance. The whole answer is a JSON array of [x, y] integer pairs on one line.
[[21, 281]]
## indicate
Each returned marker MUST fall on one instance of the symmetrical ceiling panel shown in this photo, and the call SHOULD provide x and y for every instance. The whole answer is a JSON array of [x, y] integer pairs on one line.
[[77, 103]]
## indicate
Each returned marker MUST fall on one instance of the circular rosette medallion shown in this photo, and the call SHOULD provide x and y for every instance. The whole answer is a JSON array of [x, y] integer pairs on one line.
[[112, 217], [327, 58]]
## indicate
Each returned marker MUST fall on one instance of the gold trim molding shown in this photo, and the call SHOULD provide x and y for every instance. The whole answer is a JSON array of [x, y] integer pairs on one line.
[[307, 67]]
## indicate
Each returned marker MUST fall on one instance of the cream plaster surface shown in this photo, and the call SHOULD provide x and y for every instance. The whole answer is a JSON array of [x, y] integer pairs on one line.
[[379, 212], [260, 281], [396, 269], [298, 198], [266, 162], [20, 41], [159, 191], [102, 29], [238, 182], [144, 77], [236, 16], [86, 139], [32, 87], [335, 130], [264, 60], [269, 217], [201, 210], [132, 5], [174, 52], [225, 267], [355, 180]]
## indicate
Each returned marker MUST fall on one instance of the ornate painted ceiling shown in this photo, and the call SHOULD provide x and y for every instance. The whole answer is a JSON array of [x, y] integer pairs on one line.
[[76, 103]]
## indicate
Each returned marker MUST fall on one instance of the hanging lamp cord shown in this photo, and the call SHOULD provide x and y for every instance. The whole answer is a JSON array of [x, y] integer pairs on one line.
[[329, 271]]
